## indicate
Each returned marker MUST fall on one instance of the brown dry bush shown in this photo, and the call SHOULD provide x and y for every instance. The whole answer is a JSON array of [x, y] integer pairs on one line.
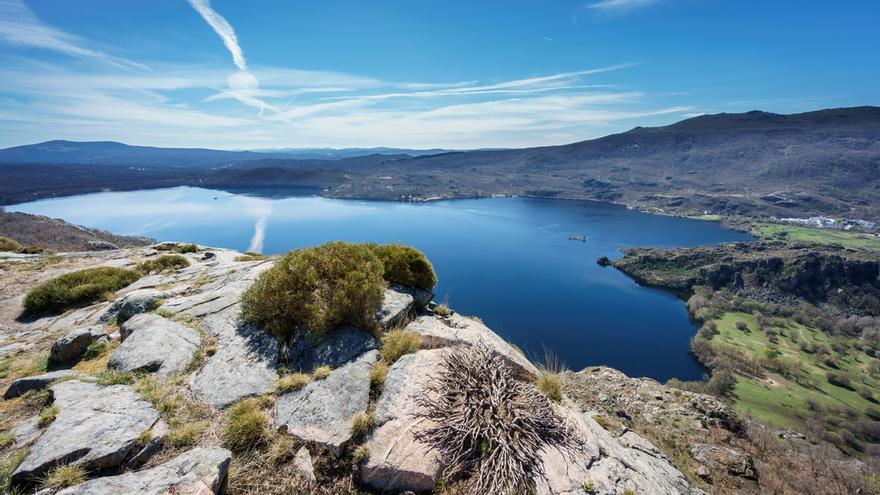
[[491, 428]]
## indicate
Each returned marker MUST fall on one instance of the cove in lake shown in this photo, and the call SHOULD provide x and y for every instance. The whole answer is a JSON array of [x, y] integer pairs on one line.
[[507, 260]]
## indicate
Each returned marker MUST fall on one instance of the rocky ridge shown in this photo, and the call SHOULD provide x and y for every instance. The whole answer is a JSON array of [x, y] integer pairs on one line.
[[192, 337]]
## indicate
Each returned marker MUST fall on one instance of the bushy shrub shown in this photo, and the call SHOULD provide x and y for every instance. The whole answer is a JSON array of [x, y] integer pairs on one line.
[[76, 289], [166, 262], [406, 265], [177, 248], [313, 290], [246, 426], [9, 245]]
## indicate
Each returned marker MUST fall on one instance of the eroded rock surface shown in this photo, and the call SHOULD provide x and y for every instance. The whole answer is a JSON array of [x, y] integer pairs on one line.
[[399, 302], [38, 382], [133, 303], [244, 364], [72, 345], [454, 330], [155, 344], [322, 411], [334, 349], [398, 460], [200, 471], [96, 427]]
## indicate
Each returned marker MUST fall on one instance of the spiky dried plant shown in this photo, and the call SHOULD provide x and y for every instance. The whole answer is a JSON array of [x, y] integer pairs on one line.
[[490, 427]]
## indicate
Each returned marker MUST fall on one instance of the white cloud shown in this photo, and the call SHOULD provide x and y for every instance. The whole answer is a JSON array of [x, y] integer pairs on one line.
[[243, 86], [20, 26], [619, 5]]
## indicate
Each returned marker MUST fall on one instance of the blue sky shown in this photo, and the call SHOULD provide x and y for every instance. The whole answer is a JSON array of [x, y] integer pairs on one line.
[[455, 74]]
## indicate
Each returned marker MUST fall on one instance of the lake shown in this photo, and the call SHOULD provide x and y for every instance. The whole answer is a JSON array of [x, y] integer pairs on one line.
[[507, 260]]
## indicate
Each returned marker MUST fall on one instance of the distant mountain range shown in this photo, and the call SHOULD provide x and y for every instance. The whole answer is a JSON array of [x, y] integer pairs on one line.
[[754, 163], [113, 153]]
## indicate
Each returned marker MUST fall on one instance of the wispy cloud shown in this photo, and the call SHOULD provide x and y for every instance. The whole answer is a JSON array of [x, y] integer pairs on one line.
[[243, 85], [620, 5], [20, 26]]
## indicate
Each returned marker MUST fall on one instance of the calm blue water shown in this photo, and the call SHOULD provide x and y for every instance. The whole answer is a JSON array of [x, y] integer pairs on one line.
[[508, 261]]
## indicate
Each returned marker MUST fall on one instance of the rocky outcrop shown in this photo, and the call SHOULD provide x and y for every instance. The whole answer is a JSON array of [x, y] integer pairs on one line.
[[73, 344], [398, 460], [133, 303], [200, 471], [155, 344], [322, 411], [717, 458], [37, 382], [609, 465], [439, 332], [334, 349], [244, 364], [841, 280], [399, 302], [96, 427]]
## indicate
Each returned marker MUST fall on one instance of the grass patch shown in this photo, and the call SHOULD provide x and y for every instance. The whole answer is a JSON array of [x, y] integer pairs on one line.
[[406, 265], [397, 343], [361, 424], [360, 454], [47, 416], [292, 382], [64, 476], [185, 435], [311, 291], [251, 256], [6, 439], [164, 263], [551, 385], [246, 426], [9, 245], [321, 372], [76, 289], [378, 375], [855, 240], [114, 377]]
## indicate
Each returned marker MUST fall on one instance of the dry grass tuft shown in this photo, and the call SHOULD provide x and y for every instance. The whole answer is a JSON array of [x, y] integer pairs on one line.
[[47, 416], [397, 343], [321, 372], [491, 428], [291, 382], [361, 424], [246, 426], [377, 377], [64, 476]]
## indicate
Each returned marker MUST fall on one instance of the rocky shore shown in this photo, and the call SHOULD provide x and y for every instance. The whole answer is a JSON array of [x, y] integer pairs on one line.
[[183, 329]]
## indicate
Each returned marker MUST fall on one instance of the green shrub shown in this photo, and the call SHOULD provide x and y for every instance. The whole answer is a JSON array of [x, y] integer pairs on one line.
[[406, 265], [246, 426], [166, 262], [177, 248], [76, 289], [397, 343], [9, 245], [311, 291]]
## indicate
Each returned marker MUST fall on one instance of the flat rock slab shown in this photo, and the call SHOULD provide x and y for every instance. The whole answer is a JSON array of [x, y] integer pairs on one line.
[[398, 302], [244, 364], [155, 344], [38, 382], [96, 427], [398, 461], [334, 349], [200, 471], [321, 412], [456, 330], [72, 345]]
